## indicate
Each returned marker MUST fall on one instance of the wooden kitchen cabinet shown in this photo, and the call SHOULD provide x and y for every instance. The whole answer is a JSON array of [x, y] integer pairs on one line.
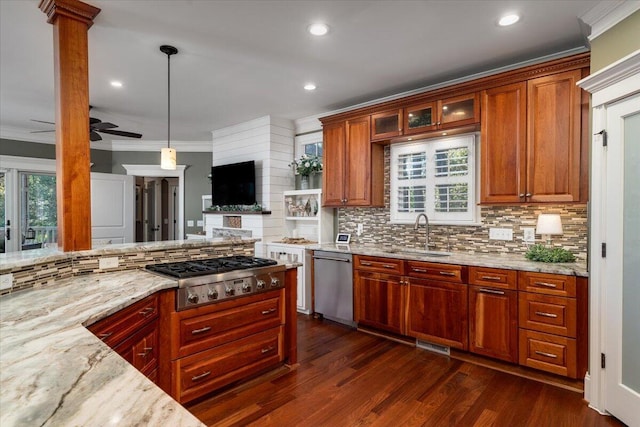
[[380, 301], [493, 313], [532, 142], [437, 309], [353, 169], [133, 334], [442, 114], [386, 125]]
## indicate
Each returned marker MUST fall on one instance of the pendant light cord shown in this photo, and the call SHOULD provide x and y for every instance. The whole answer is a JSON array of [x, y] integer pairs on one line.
[[168, 101]]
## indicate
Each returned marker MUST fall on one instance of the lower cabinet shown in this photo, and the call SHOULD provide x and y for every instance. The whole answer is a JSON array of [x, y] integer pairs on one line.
[[133, 334], [380, 301], [215, 345]]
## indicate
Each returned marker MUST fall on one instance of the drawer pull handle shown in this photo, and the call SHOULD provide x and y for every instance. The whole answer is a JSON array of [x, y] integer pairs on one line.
[[201, 330], [419, 270], [271, 310], [447, 273], [546, 285], [105, 336], [490, 278], [368, 264], [388, 266], [201, 376], [542, 353], [544, 314], [491, 291], [147, 350], [268, 349], [147, 311]]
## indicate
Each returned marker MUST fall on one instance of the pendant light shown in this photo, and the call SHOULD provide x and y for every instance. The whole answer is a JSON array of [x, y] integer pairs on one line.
[[168, 155]]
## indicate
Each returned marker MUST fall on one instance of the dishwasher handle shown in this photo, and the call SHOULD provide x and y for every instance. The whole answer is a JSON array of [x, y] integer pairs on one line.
[[331, 259]]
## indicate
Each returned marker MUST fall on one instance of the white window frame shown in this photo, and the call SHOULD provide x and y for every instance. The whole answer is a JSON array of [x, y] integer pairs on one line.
[[430, 146]]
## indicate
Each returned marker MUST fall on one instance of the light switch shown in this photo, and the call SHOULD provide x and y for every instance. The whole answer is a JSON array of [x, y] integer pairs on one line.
[[189, 223], [6, 281]]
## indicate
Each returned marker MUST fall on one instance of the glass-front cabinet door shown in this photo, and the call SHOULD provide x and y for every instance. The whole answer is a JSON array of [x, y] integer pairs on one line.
[[386, 125], [420, 118], [459, 111]]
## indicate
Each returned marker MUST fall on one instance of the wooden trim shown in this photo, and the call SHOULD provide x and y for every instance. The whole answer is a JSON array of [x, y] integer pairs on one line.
[[574, 62], [290, 309], [73, 9]]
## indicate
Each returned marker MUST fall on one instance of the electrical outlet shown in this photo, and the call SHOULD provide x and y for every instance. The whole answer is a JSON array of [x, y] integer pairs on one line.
[[6, 281], [360, 229], [200, 223], [500, 233], [529, 234], [189, 223], [106, 263]]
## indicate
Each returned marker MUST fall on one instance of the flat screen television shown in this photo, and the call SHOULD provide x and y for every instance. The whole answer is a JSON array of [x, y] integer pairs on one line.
[[233, 184]]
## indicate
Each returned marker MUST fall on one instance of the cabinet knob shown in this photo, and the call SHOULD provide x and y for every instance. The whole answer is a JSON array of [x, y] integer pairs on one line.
[[521, 195], [528, 194]]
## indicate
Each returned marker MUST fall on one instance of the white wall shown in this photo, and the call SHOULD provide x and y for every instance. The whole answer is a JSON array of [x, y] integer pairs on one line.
[[269, 141]]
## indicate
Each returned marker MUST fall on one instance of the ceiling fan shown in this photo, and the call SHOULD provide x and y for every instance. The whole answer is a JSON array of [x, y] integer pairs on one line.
[[95, 126]]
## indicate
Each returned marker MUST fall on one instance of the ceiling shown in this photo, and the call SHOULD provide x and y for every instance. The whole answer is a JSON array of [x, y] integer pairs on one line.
[[240, 60]]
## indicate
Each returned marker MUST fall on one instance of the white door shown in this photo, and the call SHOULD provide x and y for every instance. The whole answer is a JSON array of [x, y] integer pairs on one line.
[[621, 209], [112, 202]]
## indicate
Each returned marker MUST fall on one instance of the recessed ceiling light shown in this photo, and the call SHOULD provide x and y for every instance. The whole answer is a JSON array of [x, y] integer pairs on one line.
[[116, 83], [318, 29], [309, 86], [507, 20]]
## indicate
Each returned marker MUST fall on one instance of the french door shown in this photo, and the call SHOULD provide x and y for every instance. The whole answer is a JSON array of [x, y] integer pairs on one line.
[[621, 266]]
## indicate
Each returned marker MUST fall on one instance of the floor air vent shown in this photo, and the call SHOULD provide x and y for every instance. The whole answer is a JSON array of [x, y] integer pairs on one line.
[[436, 348]]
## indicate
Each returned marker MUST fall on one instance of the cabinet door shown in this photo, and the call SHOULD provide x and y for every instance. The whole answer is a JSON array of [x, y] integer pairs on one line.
[[553, 138], [493, 322], [380, 301], [386, 125], [419, 118], [334, 147], [504, 133], [357, 177], [437, 312], [459, 111]]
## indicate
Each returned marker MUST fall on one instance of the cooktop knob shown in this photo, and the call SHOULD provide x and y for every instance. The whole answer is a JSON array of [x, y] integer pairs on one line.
[[246, 288], [275, 282], [212, 294], [192, 298], [229, 291]]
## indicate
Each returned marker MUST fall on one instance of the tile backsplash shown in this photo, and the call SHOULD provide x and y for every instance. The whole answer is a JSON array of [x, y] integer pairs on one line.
[[471, 239]]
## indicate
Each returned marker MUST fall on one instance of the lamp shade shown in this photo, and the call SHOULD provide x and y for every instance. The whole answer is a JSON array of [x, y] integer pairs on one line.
[[549, 224], [168, 159]]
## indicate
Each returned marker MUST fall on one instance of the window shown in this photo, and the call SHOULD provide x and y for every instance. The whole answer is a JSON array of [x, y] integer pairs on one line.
[[436, 177], [313, 149]]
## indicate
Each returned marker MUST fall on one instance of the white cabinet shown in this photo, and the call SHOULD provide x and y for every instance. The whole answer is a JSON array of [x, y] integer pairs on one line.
[[305, 217]]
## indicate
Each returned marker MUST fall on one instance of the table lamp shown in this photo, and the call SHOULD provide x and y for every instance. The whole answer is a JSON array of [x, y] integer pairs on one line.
[[548, 225]]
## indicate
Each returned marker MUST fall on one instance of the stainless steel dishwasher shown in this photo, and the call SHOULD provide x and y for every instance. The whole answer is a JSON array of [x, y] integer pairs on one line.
[[333, 286]]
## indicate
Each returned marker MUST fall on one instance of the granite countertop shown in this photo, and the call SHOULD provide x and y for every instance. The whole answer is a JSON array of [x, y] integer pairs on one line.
[[35, 256], [53, 371], [508, 261]]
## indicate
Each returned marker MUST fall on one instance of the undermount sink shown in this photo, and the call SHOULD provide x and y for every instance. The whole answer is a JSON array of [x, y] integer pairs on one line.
[[417, 252]]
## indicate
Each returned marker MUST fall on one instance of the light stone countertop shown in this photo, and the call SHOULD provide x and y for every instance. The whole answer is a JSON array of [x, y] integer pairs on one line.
[[507, 261], [36, 256], [54, 372]]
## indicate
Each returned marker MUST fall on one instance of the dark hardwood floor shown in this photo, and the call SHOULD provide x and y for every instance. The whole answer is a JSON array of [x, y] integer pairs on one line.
[[349, 378]]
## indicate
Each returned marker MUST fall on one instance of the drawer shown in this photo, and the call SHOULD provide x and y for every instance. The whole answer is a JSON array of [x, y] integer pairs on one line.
[[441, 272], [142, 349], [209, 330], [544, 283], [380, 265], [114, 329], [201, 373], [544, 313], [549, 353], [493, 277]]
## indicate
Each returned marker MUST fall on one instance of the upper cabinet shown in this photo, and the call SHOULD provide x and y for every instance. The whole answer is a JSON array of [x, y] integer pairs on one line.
[[353, 167], [531, 141], [386, 125], [442, 114]]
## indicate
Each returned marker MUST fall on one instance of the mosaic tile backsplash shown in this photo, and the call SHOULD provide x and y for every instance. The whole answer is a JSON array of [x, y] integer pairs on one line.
[[471, 239]]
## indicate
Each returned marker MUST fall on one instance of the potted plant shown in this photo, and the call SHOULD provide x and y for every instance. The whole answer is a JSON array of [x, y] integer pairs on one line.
[[308, 167]]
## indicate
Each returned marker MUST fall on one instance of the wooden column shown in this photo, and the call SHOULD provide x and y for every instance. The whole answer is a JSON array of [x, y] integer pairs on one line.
[[71, 20]]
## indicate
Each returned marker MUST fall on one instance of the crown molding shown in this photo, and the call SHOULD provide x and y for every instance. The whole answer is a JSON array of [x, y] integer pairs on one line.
[[606, 14], [625, 70]]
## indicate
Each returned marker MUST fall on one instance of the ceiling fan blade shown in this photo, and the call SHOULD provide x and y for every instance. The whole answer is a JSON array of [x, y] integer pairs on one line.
[[93, 136], [122, 133], [42, 121], [93, 120], [42, 131], [102, 125]]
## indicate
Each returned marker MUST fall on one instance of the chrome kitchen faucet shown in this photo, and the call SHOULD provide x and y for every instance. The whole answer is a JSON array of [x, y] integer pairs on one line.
[[417, 224]]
